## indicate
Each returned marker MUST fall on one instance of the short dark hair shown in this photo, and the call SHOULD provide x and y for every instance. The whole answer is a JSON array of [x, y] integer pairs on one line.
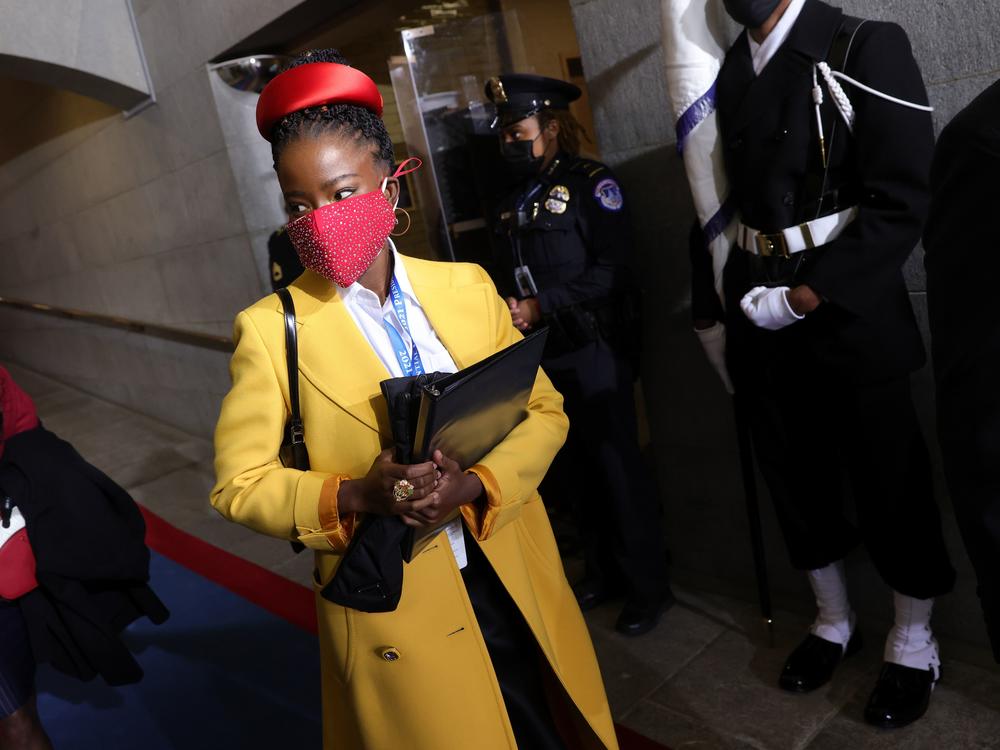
[[345, 119]]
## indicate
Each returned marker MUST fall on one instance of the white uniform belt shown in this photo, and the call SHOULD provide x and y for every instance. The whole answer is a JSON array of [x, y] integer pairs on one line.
[[787, 242]]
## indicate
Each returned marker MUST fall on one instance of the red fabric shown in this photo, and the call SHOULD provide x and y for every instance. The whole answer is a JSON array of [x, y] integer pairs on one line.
[[17, 561], [340, 240], [17, 566], [313, 85], [17, 408]]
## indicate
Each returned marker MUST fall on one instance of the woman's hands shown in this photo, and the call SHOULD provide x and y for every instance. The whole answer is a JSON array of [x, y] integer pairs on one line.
[[374, 493], [454, 489], [438, 488]]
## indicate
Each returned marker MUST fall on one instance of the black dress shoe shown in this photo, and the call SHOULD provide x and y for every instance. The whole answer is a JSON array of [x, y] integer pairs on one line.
[[591, 594], [812, 663], [637, 617], [900, 697]]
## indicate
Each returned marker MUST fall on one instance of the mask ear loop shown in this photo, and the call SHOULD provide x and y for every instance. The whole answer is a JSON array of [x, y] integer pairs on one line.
[[400, 171]]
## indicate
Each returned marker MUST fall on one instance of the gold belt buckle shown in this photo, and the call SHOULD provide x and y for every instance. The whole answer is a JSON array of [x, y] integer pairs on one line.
[[769, 245]]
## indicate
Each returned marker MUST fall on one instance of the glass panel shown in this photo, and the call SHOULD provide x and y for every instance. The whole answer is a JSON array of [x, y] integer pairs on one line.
[[447, 122]]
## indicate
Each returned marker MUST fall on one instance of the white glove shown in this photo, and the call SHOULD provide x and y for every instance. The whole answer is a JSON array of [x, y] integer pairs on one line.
[[768, 308], [713, 341]]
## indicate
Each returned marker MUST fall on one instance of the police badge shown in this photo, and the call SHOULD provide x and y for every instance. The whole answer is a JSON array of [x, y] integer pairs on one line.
[[555, 207], [560, 193], [558, 199]]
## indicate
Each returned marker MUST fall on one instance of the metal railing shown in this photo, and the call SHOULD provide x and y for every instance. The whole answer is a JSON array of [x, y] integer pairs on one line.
[[193, 338]]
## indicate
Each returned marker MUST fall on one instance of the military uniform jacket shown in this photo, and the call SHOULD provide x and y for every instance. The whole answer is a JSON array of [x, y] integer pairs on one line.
[[575, 236], [865, 330]]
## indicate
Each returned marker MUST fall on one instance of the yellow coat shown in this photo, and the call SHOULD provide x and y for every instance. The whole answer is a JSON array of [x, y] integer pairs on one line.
[[442, 693]]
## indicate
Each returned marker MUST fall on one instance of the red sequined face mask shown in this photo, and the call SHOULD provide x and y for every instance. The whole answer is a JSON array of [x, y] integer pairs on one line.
[[341, 240]]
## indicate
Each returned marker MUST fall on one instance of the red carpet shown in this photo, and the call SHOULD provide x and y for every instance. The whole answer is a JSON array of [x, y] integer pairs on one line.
[[269, 591]]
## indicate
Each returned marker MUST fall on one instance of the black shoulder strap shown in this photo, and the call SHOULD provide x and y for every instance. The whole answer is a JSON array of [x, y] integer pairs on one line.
[[840, 50], [299, 456], [841, 47], [292, 362]]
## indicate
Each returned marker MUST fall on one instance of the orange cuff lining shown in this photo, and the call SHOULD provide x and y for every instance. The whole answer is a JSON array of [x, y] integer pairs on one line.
[[481, 520], [338, 530]]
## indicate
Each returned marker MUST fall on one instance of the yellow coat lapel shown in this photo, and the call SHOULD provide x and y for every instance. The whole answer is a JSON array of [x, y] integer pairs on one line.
[[337, 360], [455, 312], [333, 355]]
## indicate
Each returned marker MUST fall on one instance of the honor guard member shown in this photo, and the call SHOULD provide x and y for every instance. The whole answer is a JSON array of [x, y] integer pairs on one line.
[[283, 260], [827, 144], [569, 241]]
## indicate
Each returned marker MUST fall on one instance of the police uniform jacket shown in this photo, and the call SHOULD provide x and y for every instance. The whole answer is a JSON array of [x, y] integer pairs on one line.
[[575, 238], [865, 330], [439, 688]]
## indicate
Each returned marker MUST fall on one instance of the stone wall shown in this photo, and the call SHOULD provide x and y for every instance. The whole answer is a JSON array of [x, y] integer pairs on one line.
[[140, 218], [690, 415], [87, 46]]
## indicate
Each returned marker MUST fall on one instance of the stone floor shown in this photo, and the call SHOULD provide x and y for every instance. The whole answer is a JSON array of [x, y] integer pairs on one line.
[[705, 678]]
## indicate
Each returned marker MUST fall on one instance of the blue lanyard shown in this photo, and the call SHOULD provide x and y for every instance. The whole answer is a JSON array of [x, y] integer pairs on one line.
[[409, 361], [528, 196]]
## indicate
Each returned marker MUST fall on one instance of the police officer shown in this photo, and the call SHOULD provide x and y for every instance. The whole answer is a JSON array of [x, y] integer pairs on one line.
[[830, 185], [566, 268]]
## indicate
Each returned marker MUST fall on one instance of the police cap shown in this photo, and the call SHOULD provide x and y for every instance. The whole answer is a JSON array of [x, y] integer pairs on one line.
[[520, 95]]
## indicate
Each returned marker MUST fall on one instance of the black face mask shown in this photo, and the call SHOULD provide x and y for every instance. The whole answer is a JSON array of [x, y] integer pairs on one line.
[[751, 13], [520, 157]]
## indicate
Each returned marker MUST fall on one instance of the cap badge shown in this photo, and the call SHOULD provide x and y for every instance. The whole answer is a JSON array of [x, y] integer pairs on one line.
[[497, 93]]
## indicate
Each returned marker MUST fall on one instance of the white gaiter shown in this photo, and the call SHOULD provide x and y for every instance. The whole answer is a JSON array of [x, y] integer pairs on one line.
[[835, 620], [911, 642]]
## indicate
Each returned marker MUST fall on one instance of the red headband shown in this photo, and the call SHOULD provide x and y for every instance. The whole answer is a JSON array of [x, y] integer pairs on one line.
[[313, 85]]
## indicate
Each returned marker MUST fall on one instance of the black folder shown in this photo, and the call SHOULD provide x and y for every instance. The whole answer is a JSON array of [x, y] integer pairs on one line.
[[468, 413], [464, 414]]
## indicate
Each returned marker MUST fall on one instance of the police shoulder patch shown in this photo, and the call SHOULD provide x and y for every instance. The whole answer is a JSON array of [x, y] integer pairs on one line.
[[609, 195]]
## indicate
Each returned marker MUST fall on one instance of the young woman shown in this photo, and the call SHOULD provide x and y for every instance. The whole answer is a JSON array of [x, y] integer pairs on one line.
[[20, 727], [487, 647]]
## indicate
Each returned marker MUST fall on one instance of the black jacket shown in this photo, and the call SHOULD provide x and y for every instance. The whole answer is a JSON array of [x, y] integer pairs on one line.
[[575, 237], [963, 249], [87, 535], [866, 330]]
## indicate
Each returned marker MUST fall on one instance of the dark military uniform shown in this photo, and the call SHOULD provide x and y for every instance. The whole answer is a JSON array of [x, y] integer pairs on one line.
[[829, 396], [963, 264], [569, 228]]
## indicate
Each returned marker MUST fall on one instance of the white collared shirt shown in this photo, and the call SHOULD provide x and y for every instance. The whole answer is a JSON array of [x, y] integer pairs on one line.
[[368, 314], [761, 54]]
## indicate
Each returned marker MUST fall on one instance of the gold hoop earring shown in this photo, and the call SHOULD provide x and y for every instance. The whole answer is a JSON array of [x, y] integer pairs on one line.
[[409, 222]]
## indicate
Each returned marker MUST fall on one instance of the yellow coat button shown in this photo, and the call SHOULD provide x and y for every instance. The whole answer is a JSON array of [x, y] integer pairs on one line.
[[390, 654]]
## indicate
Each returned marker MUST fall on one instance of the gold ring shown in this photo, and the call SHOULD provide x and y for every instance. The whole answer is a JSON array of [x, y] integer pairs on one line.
[[402, 490]]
